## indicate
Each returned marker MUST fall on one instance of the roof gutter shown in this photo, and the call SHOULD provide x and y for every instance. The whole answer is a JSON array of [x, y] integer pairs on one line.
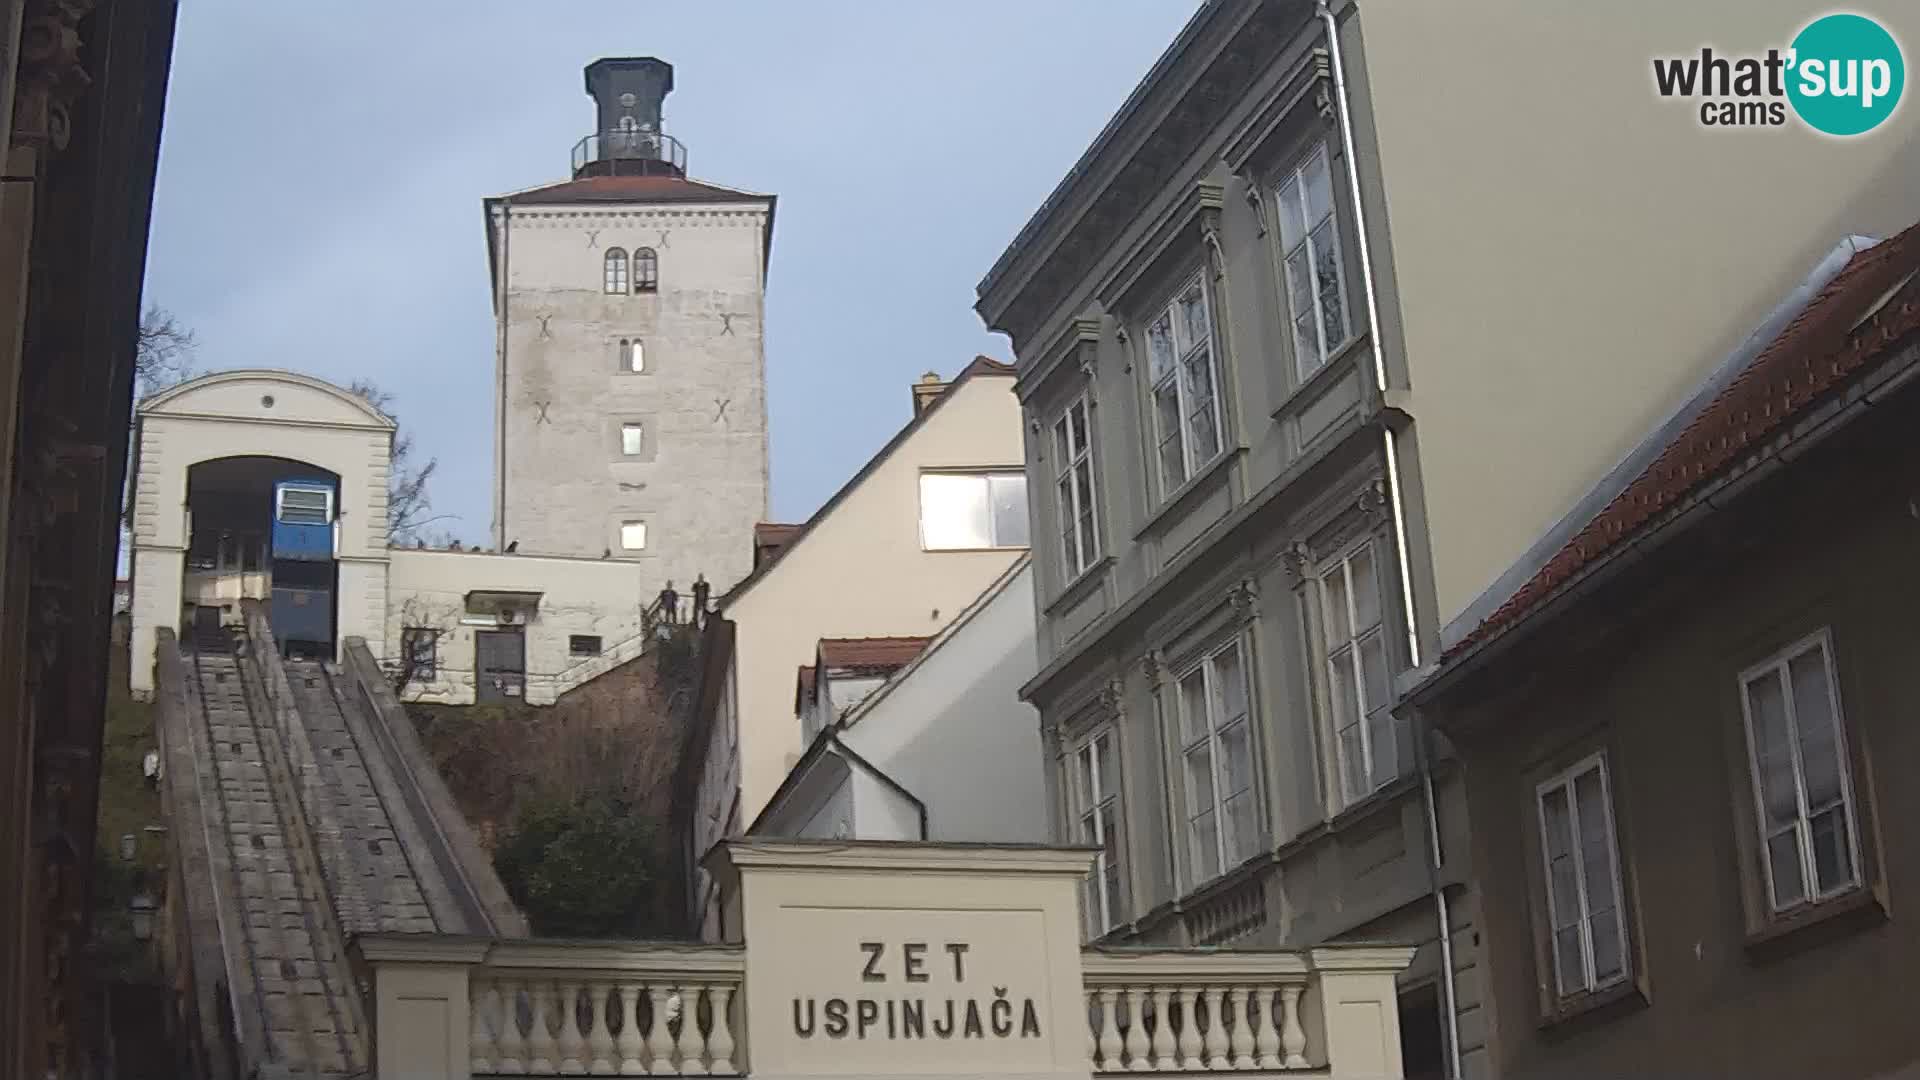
[[1782, 450]]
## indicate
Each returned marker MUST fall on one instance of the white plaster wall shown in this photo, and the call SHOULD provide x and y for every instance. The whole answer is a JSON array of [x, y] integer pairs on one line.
[[860, 572], [879, 811], [228, 415], [953, 731], [833, 819], [580, 596], [1560, 302], [700, 484]]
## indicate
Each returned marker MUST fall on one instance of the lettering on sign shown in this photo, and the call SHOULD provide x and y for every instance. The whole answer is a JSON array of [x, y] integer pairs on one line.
[[915, 1013]]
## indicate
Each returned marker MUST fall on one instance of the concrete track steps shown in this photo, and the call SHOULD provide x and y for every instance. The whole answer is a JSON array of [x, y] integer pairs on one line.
[[287, 943], [374, 885]]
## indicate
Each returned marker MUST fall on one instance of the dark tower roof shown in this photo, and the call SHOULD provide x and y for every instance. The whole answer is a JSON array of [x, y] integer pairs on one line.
[[629, 138]]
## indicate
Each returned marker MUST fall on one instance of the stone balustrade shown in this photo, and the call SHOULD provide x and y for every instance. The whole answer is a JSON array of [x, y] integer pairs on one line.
[[844, 942], [1180, 1013]]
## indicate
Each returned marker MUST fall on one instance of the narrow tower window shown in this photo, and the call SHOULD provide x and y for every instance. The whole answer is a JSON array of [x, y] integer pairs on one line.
[[646, 271], [630, 440], [616, 272], [633, 356]]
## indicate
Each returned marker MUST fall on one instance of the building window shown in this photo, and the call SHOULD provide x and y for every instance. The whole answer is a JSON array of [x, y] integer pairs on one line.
[[630, 439], [1095, 794], [1216, 753], [1316, 284], [304, 505], [1580, 861], [583, 645], [632, 356], [1360, 698], [1186, 413], [420, 650], [1073, 471], [616, 272], [973, 510], [633, 535], [1798, 756], [646, 270]]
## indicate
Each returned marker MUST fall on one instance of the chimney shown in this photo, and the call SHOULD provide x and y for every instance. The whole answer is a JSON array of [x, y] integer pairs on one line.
[[628, 137], [924, 391]]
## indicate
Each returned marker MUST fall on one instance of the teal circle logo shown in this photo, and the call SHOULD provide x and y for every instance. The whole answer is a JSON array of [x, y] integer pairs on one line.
[[1847, 74]]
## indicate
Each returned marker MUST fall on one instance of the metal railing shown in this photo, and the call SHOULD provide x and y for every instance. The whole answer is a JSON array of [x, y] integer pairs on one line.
[[624, 152]]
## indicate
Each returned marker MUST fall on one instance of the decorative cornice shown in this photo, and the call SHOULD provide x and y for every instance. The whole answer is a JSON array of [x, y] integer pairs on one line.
[[1244, 599], [1113, 698], [1076, 346], [1210, 198], [1298, 559], [50, 74], [1139, 175], [1154, 668], [1372, 503]]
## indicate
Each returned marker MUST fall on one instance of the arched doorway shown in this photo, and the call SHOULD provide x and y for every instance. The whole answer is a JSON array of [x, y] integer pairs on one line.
[[262, 529]]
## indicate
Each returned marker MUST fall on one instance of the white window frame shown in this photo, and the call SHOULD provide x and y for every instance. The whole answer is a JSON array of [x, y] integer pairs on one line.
[[1104, 909], [624, 526], [1587, 982], [1347, 652], [986, 478], [1777, 666], [1225, 856], [639, 432], [613, 272], [1185, 353], [280, 504], [1296, 178], [1074, 484]]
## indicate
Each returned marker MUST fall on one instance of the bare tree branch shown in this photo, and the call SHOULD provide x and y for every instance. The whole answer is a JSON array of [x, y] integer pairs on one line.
[[407, 500], [163, 354]]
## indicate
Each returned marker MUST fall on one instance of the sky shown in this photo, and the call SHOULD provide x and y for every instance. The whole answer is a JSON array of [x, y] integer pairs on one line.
[[322, 167]]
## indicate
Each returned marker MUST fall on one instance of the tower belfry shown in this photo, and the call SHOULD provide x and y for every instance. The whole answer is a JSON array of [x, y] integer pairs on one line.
[[630, 419], [627, 96]]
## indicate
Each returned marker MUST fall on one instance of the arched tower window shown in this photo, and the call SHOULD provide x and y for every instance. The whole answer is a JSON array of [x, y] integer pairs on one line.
[[646, 270], [616, 272]]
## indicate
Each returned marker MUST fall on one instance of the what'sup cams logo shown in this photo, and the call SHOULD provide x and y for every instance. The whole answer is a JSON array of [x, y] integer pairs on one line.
[[1842, 75]]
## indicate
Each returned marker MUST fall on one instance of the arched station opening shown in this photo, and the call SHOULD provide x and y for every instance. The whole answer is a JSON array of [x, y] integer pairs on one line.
[[262, 529]]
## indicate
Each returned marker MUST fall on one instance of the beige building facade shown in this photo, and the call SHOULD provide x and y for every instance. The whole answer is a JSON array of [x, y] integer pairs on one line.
[[906, 546]]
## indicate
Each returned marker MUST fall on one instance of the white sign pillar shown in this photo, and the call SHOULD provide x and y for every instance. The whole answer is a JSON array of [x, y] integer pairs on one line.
[[936, 961]]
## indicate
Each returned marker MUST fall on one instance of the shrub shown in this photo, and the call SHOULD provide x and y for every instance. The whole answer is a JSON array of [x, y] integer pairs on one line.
[[580, 867]]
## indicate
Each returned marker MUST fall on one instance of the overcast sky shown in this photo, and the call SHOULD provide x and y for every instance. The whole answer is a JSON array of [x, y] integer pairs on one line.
[[318, 205]]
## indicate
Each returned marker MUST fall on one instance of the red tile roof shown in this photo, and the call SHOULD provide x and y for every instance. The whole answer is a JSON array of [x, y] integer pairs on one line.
[[659, 189], [873, 653], [1816, 352]]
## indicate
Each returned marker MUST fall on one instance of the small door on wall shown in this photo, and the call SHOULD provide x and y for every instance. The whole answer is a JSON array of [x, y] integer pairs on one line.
[[499, 665]]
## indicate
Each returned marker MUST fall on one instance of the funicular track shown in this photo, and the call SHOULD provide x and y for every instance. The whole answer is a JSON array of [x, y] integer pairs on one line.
[[282, 923], [372, 877]]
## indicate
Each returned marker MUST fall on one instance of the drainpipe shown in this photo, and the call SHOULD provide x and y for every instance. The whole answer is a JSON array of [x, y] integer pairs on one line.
[[1429, 804], [500, 391]]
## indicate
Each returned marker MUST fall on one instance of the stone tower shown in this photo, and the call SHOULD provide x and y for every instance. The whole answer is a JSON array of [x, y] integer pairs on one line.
[[630, 393]]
